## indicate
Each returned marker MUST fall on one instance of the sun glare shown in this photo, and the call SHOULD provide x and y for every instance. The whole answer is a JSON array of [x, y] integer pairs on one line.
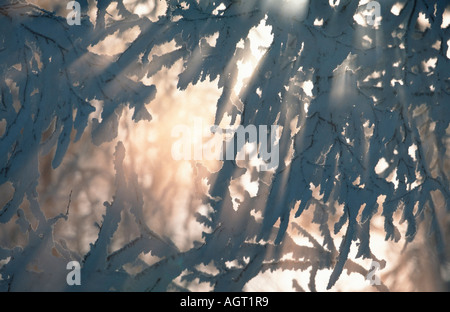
[[260, 39]]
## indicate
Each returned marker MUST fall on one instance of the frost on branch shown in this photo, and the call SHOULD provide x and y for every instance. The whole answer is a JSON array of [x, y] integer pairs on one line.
[[364, 111]]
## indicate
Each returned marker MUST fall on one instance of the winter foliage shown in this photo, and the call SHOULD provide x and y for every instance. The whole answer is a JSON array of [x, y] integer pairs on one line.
[[364, 112]]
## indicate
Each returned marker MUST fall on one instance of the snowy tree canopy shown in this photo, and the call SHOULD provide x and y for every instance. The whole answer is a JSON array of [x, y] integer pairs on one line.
[[364, 113]]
